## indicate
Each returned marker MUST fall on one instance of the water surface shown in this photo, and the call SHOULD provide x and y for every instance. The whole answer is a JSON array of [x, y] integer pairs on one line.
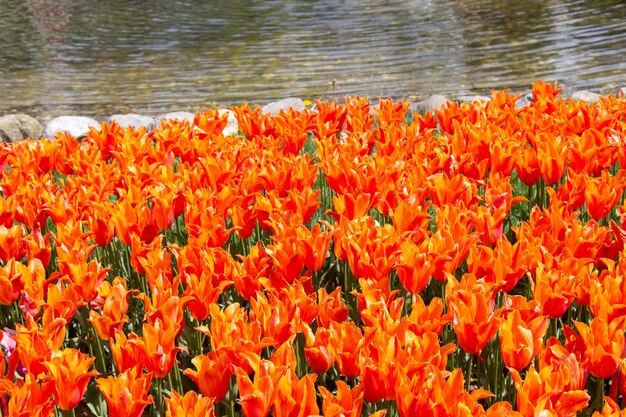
[[103, 57]]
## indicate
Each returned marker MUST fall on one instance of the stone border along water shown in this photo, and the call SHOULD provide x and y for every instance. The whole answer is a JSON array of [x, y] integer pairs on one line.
[[17, 127]]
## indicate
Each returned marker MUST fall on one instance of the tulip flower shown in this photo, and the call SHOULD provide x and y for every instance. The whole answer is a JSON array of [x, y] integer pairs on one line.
[[604, 345], [257, 397], [114, 308], [472, 303], [213, 374], [347, 340], [295, 396], [519, 341], [346, 402], [602, 193], [127, 393], [331, 307], [159, 345], [318, 349], [69, 373], [31, 398], [545, 391], [189, 405]]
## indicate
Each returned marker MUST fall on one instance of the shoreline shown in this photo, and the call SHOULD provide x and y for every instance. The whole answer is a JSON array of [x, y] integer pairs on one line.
[[15, 127]]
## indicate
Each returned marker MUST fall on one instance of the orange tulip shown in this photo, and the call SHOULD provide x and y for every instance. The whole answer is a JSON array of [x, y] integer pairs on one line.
[[331, 307], [410, 216], [544, 391], [520, 341], [243, 219], [234, 331], [127, 352], [35, 344], [421, 350], [165, 306], [69, 373], [257, 397], [472, 303], [347, 402], [527, 165], [255, 266], [114, 308], [32, 398], [11, 242], [452, 189], [379, 365], [213, 374], [604, 345], [34, 282], [204, 288], [431, 318], [88, 275], [503, 265], [415, 265], [62, 301], [602, 193], [274, 318], [189, 405], [347, 341], [316, 244], [551, 291], [159, 344], [295, 397], [429, 393], [318, 349], [11, 282], [127, 393]]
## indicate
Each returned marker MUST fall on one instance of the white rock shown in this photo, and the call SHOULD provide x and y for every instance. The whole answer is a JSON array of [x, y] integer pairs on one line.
[[134, 120], [76, 126], [588, 96], [284, 104]]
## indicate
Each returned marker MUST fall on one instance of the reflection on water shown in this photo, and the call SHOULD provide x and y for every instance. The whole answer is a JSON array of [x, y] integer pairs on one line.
[[99, 58]]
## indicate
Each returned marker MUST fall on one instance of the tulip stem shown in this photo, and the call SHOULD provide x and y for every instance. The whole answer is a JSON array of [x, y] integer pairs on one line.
[[177, 378], [97, 346], [469, 370], [231, 396], [159, 396], [599, 401]]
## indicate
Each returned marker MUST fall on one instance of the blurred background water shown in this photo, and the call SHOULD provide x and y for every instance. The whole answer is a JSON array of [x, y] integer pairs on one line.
[[116, 56]]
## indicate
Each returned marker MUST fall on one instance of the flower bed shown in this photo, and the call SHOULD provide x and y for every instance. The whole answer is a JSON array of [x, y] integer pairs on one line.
[[321, 262]]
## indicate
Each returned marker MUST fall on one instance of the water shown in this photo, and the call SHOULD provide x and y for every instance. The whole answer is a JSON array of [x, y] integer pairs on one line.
[[103, 57]]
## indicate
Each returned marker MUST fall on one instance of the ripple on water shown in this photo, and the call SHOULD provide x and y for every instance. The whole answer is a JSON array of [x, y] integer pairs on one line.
[[100, 58]]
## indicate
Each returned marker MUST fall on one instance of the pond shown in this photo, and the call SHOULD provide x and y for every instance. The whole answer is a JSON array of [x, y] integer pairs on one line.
[[116, 56]]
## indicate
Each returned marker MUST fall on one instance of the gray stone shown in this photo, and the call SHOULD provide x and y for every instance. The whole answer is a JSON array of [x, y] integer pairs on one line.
[[588, 96], [434, 102], [17, 127], [232, 127], [284, 104], [175, 115], [76, 126], [524, 100], [132, 120]]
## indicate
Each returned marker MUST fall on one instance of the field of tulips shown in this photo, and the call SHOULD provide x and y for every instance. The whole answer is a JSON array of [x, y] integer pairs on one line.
[[340, 261]]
